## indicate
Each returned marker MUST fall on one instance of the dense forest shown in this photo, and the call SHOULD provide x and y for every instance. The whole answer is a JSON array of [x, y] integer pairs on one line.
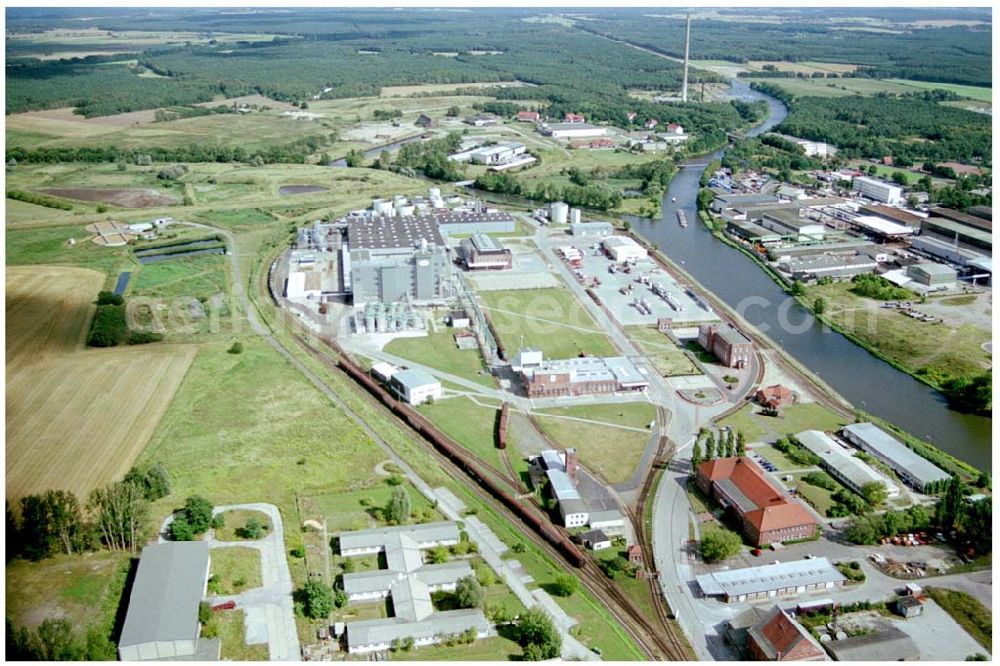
[[956, 54], [915, 127]]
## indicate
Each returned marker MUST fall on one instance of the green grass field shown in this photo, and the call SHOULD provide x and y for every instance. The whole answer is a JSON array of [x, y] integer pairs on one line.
[[494, 648], [232, 633], [361, 509], [235, 569], [806, 416], [820, 499], [199, 277], [235, 519], [860, 86], [938, 350], [972, 92], [888, 172], [746, 421], [776, 458], [469, 424], [439, 351], [611, 452], [551, 320]]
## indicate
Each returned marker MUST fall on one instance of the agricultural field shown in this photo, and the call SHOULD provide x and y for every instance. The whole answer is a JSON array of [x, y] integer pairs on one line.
[[66, 406], [978, 93], [439, 351], [547, 319]]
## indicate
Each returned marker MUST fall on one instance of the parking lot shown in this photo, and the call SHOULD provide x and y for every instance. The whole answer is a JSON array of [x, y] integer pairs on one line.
[[638, 284]]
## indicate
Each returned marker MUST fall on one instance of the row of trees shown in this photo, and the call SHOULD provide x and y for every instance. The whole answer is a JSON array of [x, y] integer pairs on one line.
[[726, 444], [115, 516], [593, 196]]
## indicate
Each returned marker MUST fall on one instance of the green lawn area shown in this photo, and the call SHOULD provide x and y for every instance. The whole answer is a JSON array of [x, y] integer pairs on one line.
[[806, 416], [232, 632], [235, 569], [361, 509], [699, 503], [776, 458], [837, 87], [494, 648], [48, 246], [611, 452], [967, 611], [938, 350], [236, 519], [469, 424], [665, 356], [81, 588], [820, 499], [888, 172], [631, 414], [547, 319], [439, 351], [746, 421]]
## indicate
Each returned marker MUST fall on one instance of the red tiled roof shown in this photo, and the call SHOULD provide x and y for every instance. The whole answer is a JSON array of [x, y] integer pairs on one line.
[[774, 510], [784, 636]]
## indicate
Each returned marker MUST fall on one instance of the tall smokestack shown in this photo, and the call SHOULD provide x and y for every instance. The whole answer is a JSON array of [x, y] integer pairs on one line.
[[687, 53]]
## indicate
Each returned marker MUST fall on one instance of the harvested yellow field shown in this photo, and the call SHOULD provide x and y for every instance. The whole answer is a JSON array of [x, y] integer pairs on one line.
[[76, 418]]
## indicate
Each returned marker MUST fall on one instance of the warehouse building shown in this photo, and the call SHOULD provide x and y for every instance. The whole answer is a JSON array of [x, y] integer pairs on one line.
[[933, 276], [889, 644], [409, 583], [947, 250], [415, 386], [752, 233], [481, 252], [766, 513], [623, 249], [596, 229], [845, 248], [726, 343], [162, 618], [791, 224], [560, 470], [911, 468], [836, 266], [811, 148], [880, 228], [723, 200], [839, 461], [950, 230], [877, 190], [772, 580], [588, 375], [572, 130], [970, 219], [893, 214]]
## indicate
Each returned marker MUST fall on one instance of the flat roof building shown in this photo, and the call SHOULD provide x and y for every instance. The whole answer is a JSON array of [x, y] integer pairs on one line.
[[482, 252], [879, 227], [976, 221], [723, 200], [415, 386], [162, 618], [571, 130], [878, 190], [791, 224], [596, 229], [753, 233], [772, 580], [842, 464], [948, 229], [893, 214], [940, 248], [583, 376], [767, 514], [912, 468], [623, 248], [935, 276]]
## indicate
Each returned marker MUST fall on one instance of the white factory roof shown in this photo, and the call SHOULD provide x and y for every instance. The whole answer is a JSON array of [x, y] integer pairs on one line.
[[414, 378], [499, 148], [384, 369], [755, 580], [891, 448], [552, 459], [881, 225], [839, 459], [592, 368], [620, 241]]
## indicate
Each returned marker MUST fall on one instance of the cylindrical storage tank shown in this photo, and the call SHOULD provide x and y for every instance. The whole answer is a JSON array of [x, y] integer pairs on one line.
[[574, 216], [381, 207], [405, 211], [398, 200], [558, 212], [435, 193]]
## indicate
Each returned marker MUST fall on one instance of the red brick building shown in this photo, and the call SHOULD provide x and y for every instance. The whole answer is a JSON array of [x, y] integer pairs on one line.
[[766, 514], [777, 637], [727, 344], [775, 396], [527, 116]]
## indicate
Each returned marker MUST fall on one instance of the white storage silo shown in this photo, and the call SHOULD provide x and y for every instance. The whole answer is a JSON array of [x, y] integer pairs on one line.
[[381, 207], [574, 216], [558, 212]]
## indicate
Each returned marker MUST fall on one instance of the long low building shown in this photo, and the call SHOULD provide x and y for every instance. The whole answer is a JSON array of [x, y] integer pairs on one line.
[[842, 464], [912, 468], [881, 228], [791, 224], [772, 580], [974, 237], [571, 130]]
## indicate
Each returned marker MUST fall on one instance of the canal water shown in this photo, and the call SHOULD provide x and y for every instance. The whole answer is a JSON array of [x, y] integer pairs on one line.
[[863, 379]]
